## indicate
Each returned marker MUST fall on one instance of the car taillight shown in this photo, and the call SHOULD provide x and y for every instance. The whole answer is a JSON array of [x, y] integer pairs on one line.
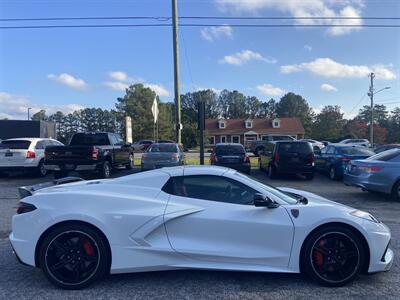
[[213, 158], [23, 207], [175, 156], [95, 154], [246, 159], [370, 169], [277, 157], [344, 158], [30, 154]]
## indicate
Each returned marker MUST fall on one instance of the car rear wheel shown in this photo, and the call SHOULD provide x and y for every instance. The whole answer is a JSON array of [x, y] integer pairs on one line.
[[41, 170], [130, 165], [332, 173], [105, 171], [396, 191], [333, 256], [73, 256], [271, 172]]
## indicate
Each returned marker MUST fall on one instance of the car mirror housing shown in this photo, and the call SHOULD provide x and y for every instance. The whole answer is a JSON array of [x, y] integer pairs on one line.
[[261, 200]]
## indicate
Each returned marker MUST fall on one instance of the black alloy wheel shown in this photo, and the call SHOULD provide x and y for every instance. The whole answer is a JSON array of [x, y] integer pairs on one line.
[[333, 257], [72, 258], [105, 171], [41, 170]]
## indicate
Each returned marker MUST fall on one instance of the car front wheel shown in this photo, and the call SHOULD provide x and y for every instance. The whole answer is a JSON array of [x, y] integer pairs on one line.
[[73, 256], [105, 171], [41, 170], [396, 191], [333, 256]]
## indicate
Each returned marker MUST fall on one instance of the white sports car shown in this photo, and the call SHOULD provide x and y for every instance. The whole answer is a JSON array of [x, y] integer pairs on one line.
[[192, 218]]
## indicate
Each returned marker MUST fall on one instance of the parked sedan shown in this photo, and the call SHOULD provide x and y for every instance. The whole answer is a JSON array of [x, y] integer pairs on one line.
[[382, 148], [288, 157], [379, 173], [192, 217], [142, 145], [25, 154], [316, 145], [162, 155], [231, 155], [356, 142], [334, 158]]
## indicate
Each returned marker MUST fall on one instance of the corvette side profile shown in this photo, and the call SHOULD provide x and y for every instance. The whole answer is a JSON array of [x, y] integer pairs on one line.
[[192, 217]]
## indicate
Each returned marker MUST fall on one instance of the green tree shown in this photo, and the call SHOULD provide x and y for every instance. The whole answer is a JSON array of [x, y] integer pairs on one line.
[[268, 109], [59, 119], [328, 124], [292, 105], [393, 126], [232, 104], [40, 116], [380, 114]]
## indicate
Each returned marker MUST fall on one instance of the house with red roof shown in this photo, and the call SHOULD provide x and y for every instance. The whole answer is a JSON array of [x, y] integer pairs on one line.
[[244, 130]]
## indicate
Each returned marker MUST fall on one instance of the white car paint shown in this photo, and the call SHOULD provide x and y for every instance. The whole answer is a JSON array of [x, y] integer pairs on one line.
[[19, 158], [148, 229]]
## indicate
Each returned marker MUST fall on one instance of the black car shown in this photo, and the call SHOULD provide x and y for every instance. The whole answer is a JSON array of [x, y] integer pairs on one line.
[[231, 155], [288, 157], [89, 152]]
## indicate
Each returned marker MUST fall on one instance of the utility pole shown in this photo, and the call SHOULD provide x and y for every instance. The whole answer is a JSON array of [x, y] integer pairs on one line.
[[29, 108], [178, 124], [371, 95]]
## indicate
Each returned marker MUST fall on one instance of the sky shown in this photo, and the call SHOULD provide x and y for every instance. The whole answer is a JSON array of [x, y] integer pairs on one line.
[[72, 68]]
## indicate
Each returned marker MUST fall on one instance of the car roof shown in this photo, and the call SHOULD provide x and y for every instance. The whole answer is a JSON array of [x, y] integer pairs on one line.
[[27, 139], [228, 144]]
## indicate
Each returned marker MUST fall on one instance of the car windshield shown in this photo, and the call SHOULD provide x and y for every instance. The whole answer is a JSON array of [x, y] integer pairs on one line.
[[269, 189], [15, 144], [85, 139], [385, 155], [355, 151], [286, 148], [229, 149], [170, 148]]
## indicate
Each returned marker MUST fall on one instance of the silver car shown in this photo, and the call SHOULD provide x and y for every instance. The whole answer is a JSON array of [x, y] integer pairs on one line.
[[161, 155], [379, 173]]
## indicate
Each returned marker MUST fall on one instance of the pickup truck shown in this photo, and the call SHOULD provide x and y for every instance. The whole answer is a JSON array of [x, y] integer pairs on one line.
[[257, 146], [89, 152]]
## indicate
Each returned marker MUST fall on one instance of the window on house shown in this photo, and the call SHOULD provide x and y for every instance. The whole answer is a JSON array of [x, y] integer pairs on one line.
[[235, 139], [276, 124], [249, 124], [221, 124], [211, 140], [223, 139]]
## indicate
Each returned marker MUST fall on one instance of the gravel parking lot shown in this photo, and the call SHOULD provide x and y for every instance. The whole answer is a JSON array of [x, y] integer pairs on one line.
[[20, 282]]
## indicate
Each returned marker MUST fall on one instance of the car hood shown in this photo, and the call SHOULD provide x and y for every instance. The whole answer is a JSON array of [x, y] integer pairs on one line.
[[316, 200]]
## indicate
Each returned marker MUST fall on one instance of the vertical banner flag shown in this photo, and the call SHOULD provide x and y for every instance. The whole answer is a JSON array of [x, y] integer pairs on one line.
[[154, 110]]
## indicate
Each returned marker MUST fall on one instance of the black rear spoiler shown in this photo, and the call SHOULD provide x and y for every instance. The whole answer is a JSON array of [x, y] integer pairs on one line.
[[25, 191]]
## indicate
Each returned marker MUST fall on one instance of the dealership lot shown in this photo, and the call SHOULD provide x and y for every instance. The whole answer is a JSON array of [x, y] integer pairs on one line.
[[24, 282]]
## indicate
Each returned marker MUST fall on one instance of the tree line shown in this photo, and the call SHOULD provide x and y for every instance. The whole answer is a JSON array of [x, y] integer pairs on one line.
[[328, 124]]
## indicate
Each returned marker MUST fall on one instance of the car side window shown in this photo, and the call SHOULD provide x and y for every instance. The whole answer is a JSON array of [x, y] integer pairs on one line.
[[119, 140], [40, 145], [213, 188], [113, 139], [330, 150]]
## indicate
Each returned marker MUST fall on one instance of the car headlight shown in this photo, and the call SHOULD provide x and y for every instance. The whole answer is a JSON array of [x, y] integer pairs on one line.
[[364, 215]]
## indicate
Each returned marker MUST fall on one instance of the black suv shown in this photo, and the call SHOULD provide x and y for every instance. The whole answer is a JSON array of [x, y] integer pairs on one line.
[[231, 155], [288, 157]]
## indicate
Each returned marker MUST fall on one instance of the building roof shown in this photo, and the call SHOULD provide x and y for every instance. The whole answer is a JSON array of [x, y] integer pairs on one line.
[[260, 126]]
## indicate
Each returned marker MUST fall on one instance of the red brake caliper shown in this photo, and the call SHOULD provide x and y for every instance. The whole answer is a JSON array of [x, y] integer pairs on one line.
[[318, 257], [88, 248]]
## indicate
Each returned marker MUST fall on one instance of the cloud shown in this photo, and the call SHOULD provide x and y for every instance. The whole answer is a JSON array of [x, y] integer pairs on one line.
[[118, 75], [309, 8], [216, 32], [116, 85], [159, 89], [328, 88], [16, 107], [329, 68], [68, 80], [307, 47], [245, 56], [269, 90]]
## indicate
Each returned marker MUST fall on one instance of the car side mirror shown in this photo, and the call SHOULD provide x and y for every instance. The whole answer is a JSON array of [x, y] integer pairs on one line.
[[261, 200]]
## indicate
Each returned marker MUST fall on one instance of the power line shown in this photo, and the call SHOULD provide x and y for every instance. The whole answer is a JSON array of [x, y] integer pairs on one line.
[[358, 103], [166, 18], [204, 25]]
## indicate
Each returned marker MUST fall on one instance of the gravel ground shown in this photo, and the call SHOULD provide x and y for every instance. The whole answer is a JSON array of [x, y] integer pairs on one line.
[[20, 282]]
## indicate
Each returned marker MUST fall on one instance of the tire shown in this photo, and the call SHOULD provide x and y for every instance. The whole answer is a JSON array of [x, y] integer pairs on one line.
[[396, 191], [271, 172], [105, 171], [60, 174], [332, 173], [40, 170], [131, 163], [76, 250], [333, 256], [309, 176]]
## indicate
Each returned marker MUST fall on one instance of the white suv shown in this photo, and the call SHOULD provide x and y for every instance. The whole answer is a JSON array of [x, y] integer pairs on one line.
[[356, 142], [24, 154]]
